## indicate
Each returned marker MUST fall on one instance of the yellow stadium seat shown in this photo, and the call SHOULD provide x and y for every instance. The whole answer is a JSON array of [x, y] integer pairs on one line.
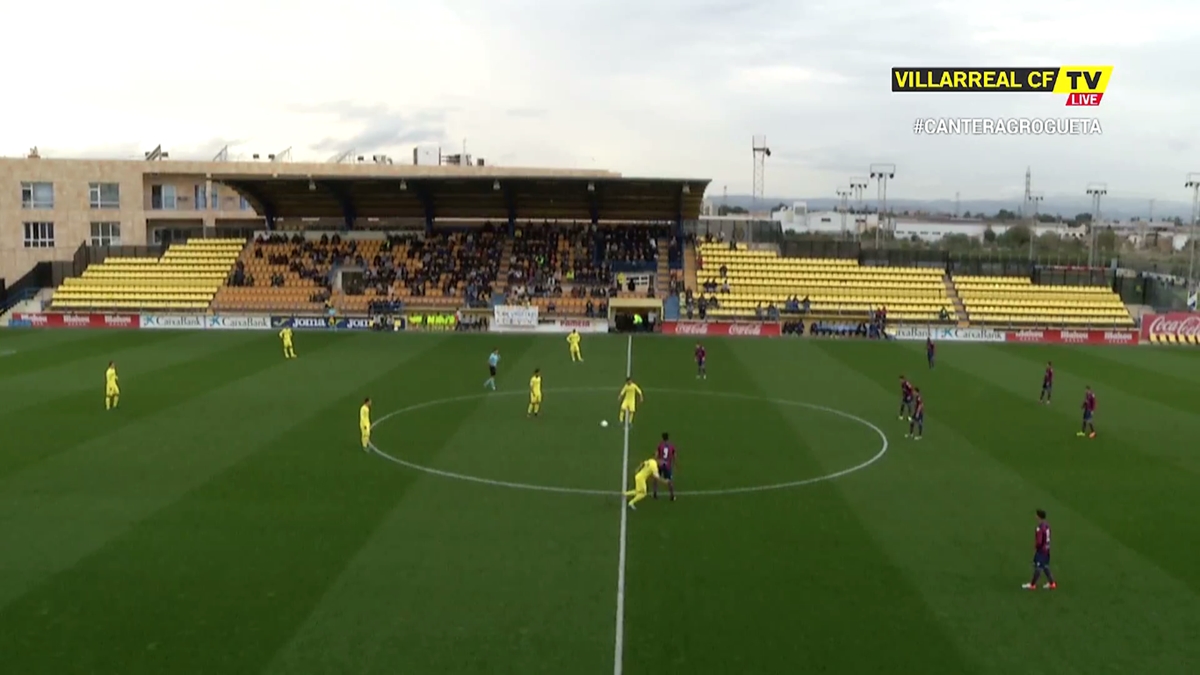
[[833, 286], [1018, 301], [185, 278]]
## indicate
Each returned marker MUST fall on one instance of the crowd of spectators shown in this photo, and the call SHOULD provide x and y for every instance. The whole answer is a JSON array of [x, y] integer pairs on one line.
[[632, 244], [462, 264]]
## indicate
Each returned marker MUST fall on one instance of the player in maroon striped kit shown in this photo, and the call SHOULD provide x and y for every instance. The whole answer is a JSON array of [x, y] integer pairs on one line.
[[701, 362], [666, 465], [906, 399], [1047, 384], [1041, 554]]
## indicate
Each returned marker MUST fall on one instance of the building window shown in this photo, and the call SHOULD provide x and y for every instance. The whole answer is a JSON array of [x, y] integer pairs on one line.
[[216, 199], [201, 198], [104, 195], [245, 205], [162, 197], [37, 195], [39, 235], [106, 234]]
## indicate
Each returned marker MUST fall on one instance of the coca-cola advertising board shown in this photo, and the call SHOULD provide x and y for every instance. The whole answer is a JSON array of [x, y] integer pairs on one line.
[[1075, 337], [722, 328], [56, 320], [1171, 327]]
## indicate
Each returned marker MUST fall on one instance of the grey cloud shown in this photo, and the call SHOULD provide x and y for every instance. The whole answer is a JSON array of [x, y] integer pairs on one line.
[[379, 127]]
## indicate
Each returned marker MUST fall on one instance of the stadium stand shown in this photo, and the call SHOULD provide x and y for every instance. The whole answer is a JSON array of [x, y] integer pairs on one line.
[[828, 286], [186, 277], [1018, 301], [576, 269], [446, 269]]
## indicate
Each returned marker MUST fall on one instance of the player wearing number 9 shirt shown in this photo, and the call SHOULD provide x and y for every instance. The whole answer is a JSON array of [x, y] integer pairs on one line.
[[666, 465]]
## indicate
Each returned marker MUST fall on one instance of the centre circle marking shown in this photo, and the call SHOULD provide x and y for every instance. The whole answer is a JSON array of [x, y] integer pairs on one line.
[[611, 493]]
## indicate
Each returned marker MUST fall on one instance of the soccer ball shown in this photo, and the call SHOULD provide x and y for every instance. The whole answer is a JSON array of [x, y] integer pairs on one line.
[[604, 423]]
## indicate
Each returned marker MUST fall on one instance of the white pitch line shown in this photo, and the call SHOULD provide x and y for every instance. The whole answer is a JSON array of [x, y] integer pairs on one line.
[[720, 492], [619, 641]]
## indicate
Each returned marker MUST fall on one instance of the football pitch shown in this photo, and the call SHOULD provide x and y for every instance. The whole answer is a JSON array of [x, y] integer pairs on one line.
[[224, 519]]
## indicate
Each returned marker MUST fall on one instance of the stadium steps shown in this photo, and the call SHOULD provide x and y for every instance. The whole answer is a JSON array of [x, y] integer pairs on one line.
[[960, 310], [662, 280], [689, 267], [505, 262]]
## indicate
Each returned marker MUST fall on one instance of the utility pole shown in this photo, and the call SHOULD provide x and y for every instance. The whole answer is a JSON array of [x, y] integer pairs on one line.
[[1193, 182], [844, 196], [1095, 191], [956, 205]]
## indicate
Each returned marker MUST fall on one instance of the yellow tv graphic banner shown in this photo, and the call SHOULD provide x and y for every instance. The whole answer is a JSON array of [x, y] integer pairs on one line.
[[1082, 85]]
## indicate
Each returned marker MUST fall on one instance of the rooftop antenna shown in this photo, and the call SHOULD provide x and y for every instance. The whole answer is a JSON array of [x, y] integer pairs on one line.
[[761, 153], [956, 204], [156, 154], [347, 156], [285, 156], [222, 156]]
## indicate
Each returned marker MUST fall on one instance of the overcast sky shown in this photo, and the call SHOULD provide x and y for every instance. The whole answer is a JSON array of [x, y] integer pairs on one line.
[[645, 87]]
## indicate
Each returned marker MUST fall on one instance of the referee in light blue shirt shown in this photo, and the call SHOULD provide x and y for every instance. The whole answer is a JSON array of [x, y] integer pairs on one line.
[[493, 361]]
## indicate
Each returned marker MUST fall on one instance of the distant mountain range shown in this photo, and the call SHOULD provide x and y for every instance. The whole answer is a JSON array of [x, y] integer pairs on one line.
[[1120, 208]]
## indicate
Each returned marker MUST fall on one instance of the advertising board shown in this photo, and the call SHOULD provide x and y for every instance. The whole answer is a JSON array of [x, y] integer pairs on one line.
[[1078, 337], [238, 322], [321, 322], [560, 326], [177, 321], [514, 316], [55, 320], [949, 334], [1173, 327], [722, 328]]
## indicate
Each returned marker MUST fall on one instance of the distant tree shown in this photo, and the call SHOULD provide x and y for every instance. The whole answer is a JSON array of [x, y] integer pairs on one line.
[[966, 214], [1106, 240], [1017, 236], [1082, 218], [989, 235], [1005, 214], [779, 207], [730, 210], [958, 242], [1047, 218]]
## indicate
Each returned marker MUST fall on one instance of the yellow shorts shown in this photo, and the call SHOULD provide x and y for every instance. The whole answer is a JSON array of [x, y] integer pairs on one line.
[[112, 391], [535, 399], [639, 486], [628, 406], [365, 431]]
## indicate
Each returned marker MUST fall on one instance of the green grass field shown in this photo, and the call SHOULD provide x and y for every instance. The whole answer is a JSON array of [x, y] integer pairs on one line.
[[225, 521]]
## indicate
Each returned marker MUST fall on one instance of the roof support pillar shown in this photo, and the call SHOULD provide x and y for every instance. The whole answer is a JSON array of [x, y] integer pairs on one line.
[[594, 202], [349, 213], [427, 204], [510, 205]]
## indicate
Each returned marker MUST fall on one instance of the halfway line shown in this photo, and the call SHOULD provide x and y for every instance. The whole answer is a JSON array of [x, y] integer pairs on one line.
[[619, 642]]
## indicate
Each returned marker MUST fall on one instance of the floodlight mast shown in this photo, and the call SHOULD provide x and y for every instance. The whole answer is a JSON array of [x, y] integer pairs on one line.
[[858, 184], [844, 197], [881, 174], [1035, 200], [1095, 191], [1193, 182]]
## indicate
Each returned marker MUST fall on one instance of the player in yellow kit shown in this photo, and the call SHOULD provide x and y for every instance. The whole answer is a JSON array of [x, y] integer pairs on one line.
[[573, 339], [630, 396], [364, 423], [289, 351], [535, 393], [646, 472], [112, 391]]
